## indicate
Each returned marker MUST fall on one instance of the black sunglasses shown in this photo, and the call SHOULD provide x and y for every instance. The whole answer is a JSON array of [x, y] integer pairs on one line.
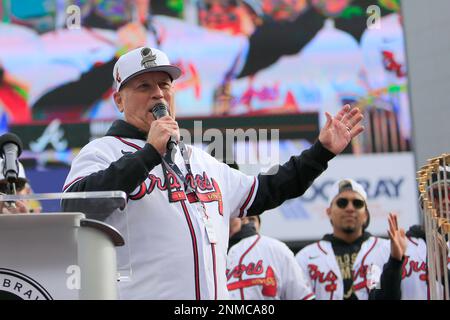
[[343, 203]]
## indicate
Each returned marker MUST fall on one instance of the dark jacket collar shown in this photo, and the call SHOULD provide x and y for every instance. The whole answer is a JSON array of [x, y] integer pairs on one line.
[[123, 129], [331, 238], [247, 230], [416, 231]]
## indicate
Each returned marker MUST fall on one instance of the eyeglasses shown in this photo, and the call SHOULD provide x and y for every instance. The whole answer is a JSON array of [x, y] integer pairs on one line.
[[343, 202]]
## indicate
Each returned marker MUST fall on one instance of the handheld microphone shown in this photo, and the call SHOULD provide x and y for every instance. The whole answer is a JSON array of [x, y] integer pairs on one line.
[[10, 148], [160, 110]]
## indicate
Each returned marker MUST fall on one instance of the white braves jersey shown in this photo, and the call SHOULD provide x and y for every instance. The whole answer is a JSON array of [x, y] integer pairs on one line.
[[414, 284], [263, 268], [320, 265], [167, 245], [414, 271]]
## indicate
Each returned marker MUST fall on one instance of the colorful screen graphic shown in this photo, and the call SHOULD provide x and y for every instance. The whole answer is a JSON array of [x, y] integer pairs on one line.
[[244, 62], [238, 58]]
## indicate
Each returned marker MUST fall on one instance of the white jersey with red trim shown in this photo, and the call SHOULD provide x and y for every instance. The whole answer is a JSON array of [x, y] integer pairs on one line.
[[414, 271], [414, 283], [263, 268], [321, 268], [171, 254]]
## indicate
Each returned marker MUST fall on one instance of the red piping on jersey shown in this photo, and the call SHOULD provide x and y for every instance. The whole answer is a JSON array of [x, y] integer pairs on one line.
[[128, 143], [309, 296], [268, 282], [194, 248], [318, 244], [213, 251], [72, 182], [248, 198], [362, 263], [409, 238], [141, 193], [240, 263]]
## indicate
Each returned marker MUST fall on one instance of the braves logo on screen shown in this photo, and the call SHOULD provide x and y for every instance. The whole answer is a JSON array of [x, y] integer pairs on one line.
[[18, 286]]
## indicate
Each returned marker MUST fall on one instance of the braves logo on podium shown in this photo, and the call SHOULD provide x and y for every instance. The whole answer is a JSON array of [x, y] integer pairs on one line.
[[18, 286]]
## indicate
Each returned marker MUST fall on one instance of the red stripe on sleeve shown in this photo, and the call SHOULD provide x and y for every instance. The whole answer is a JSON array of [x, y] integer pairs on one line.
[[249, 197]]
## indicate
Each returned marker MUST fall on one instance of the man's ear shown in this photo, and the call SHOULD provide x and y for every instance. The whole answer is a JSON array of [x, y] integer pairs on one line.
[[366, 223], [329, 212], [329, 215], [118, 100]]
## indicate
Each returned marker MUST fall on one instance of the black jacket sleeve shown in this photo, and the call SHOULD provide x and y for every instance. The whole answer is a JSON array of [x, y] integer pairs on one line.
[[390, 281], [125, 174], [291, 179]]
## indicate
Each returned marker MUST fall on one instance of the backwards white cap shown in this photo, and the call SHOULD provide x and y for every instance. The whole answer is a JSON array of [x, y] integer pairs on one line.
[[141, 60], [343, 185]]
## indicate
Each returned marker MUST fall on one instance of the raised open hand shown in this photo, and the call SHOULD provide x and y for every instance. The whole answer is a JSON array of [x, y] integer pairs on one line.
[[398, 238], [341, 129]]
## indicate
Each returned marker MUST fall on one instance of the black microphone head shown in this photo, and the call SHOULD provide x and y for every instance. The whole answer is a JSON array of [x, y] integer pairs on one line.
[[160, 110], [11, 138]]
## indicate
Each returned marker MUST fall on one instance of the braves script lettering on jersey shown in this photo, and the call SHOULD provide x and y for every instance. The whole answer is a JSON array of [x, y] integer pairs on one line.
[[157, 219], [171, 252], [262, 268], [415, 271], [321, 267]]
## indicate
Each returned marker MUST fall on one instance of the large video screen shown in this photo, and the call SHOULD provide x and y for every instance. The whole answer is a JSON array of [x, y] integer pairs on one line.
[[260, 64], [238, 58]]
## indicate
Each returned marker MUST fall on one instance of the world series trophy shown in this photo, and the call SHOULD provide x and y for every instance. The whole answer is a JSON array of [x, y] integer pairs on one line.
[[434, 182]]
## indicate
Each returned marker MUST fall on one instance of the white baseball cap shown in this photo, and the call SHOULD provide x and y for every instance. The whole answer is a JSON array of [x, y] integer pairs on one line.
[[344, 185], [141, 60]]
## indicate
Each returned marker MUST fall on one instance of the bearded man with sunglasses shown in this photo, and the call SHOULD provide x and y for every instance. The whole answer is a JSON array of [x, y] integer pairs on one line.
[[350, 263]]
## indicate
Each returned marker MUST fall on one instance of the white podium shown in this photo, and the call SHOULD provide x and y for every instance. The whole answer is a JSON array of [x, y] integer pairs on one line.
[[59, 255]]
